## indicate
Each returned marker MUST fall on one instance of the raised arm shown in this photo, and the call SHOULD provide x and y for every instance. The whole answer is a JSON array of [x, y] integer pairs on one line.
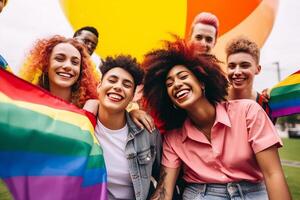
[[142, 119], [166, 184], [270, 166]]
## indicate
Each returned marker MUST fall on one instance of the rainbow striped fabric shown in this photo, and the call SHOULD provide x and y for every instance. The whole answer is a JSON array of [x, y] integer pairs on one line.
[[285, 96], [47, 146], [3, 63]]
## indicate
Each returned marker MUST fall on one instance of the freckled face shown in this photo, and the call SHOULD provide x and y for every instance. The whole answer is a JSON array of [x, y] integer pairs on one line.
[[64, 67]]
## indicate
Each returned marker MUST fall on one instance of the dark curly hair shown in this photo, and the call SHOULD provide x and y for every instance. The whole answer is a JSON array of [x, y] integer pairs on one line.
[[86, 28], [126, 62], [35, 69], [159, 62]]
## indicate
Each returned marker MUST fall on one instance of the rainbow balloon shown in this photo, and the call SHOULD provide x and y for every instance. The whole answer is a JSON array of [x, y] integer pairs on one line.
[[135, 27]]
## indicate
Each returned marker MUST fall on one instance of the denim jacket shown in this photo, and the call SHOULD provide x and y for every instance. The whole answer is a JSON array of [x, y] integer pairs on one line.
[[143, 151]]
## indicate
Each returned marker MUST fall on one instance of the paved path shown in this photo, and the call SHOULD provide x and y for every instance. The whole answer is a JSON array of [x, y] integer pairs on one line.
[[290, 163]]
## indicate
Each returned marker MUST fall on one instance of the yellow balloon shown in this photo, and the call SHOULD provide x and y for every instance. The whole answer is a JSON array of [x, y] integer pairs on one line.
[[129, 27], [135, 26]]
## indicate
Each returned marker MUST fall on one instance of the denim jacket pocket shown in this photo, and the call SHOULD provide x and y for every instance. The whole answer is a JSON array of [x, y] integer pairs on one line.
[[145, 160]]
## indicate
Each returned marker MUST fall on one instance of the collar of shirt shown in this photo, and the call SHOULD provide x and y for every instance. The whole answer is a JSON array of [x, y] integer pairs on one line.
[[189, 130]]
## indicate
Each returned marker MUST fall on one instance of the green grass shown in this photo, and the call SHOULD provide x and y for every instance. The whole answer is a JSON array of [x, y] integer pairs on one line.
[[4, 193], [290, 150], [292, 175]]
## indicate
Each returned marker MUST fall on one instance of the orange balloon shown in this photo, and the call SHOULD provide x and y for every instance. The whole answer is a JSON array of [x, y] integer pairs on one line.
[[135, 27]]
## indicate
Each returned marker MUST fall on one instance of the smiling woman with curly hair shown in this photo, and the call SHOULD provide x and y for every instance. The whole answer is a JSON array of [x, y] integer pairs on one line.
[[227, 149], [61, 66]]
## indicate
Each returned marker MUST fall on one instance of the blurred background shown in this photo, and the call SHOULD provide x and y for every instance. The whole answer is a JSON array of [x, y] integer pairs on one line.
[[22, 22]]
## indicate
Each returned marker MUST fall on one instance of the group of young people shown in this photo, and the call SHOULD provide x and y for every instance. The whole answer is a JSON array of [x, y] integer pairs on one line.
[[221, 141]]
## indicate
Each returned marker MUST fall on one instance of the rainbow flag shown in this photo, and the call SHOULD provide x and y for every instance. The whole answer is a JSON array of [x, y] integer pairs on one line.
[[4, 64], [47, 146], [285, 96]]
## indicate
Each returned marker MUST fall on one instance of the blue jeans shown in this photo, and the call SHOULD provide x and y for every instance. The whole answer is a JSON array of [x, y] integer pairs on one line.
[[232, 191]]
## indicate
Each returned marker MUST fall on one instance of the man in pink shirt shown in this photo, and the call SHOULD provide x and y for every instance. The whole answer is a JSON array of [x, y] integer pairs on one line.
[[228, 149]]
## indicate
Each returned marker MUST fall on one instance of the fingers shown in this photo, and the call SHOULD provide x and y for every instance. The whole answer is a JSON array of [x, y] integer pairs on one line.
[[138, 123], [142, 119], [148, 123]]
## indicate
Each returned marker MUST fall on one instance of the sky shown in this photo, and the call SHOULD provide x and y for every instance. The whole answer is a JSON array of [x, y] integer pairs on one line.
[[23, 21]]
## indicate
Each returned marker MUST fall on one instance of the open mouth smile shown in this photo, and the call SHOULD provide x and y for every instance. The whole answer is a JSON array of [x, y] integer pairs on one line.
[[64, 74], [115, 97], [182, 94]]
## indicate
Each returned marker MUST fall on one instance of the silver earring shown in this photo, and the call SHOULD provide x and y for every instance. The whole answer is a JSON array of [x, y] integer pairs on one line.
[[174, 106], [203, 91]]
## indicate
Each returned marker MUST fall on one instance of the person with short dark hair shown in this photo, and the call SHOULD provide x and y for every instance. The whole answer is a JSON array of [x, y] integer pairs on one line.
[[127, 63], [88, 36], [132, 154], [228, 149]]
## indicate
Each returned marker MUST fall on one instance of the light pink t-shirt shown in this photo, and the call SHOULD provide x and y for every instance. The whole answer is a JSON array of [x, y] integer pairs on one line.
[[242, 129]]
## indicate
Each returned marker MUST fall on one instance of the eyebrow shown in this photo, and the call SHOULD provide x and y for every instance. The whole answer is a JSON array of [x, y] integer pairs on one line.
[[128, 81], [75, 57], [243, 62], [178, 73], [115, 76]]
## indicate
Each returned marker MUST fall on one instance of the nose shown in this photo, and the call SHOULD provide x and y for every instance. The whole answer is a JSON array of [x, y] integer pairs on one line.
[[237, 70], [90, 46], [117, 86], [67, 66], [202, 41], [177, 83]]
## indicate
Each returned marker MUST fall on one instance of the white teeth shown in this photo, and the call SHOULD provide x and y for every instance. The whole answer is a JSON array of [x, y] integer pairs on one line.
[[115, 96], [181, 93], [238, 79], [64, 74]]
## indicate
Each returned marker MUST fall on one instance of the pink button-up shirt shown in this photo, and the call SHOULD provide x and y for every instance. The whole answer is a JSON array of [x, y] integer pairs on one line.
[[242, 129]]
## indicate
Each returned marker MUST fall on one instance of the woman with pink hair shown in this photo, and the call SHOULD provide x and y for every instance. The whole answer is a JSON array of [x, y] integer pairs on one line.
[[204, 32]]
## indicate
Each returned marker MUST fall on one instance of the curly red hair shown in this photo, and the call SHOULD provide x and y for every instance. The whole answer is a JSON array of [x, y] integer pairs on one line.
[[35, 69]]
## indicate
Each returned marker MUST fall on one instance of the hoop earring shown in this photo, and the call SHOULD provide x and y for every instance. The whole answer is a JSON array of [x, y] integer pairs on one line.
[[203, 91], [174, 106], [44, 81]]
